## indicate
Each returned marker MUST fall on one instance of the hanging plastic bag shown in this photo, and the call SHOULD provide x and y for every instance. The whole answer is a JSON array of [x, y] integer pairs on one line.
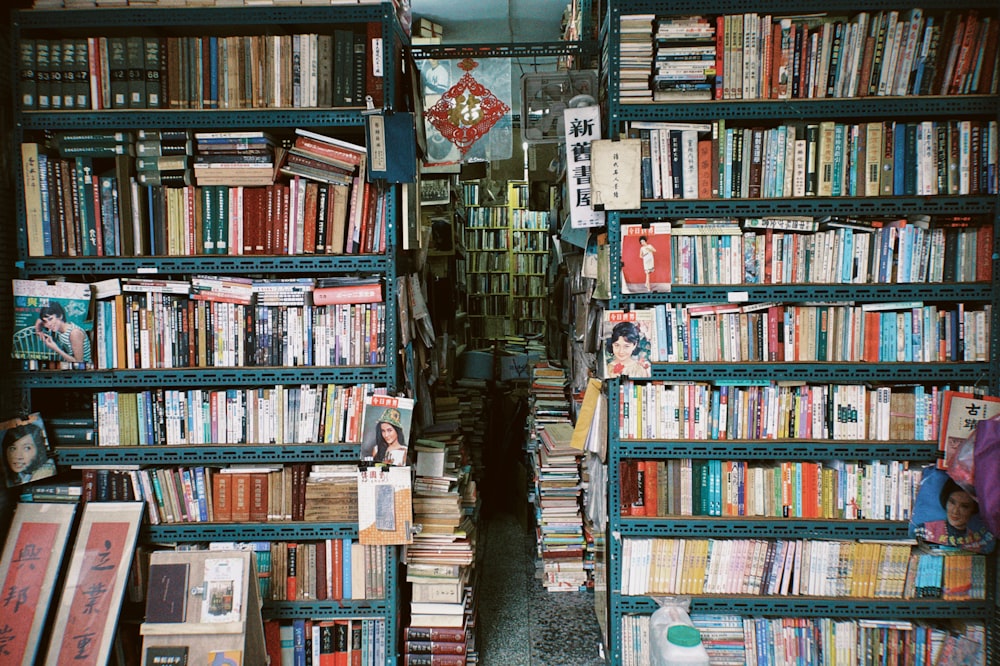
[[673, 638], [987, 472]]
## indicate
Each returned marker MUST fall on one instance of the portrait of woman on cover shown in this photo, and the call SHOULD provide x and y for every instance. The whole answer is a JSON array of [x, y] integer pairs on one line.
[[65, 338], [26, 454]]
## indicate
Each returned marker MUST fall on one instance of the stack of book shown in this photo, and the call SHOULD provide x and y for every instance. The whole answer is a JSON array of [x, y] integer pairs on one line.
[[685, 59], [163, 157], [234, 158], [636, 59], [440, 561], [435, 646], [557, 482]]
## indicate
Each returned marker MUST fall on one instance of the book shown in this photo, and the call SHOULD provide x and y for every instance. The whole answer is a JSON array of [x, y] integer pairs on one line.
[[385, 430], [51, 323], [646, 258], [960, 411]]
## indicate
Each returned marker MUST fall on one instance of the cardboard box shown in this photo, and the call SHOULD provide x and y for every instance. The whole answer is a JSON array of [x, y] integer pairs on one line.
[[476, 365]]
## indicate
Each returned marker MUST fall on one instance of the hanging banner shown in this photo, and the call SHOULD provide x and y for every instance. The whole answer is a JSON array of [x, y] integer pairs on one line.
[[583, 126], [467, 110]]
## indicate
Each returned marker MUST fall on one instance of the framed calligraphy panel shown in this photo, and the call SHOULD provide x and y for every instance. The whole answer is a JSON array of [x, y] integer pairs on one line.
[[31, 560], [95, 584]]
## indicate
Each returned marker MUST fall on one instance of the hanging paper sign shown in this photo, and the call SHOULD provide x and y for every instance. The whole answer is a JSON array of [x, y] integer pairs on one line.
[[583, 126]]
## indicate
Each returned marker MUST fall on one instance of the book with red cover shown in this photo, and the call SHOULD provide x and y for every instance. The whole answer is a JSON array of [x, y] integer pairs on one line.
[[240, 497], [222, 506], [272, 641], [433, 660], [454, 635], [321, 580], [258, 497], [348, 293], [434, 647]]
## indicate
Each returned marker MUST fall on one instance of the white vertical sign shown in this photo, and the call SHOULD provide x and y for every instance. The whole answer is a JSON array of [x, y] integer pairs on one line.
[[583, 126]]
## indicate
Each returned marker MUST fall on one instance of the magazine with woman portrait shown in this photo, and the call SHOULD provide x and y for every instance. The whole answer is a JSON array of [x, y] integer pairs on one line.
[[385, 429], [52, 325], [26, 453], [629, 341], [947, 514]]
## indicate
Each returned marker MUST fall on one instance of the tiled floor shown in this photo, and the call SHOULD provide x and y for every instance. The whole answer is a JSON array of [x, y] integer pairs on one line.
[[520, 623]]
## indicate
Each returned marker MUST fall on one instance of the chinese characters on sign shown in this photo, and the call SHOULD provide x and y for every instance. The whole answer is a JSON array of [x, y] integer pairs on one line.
[[583, 126], [93, 598], [616, 179], [961, 412], [22, 588]]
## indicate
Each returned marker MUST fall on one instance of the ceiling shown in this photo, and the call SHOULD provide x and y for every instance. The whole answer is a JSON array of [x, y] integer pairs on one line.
[[494, 21]]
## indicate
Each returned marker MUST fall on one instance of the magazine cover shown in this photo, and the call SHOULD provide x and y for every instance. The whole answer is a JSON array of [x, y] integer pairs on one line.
[[385, 506], [385, 429], [26, 451], [960, 412], [645, 258], [629, 339], [51, 323]]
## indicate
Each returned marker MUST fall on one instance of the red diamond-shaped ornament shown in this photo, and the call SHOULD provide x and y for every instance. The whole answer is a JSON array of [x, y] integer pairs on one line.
[[467, 110]]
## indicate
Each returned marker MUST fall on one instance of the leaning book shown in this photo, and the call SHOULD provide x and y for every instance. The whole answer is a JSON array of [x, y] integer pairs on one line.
[[646, 261], [52, 326]]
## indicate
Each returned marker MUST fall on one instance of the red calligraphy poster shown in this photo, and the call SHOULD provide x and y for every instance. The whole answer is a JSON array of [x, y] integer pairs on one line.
[[91, 599], [31, 559], [23, 586]]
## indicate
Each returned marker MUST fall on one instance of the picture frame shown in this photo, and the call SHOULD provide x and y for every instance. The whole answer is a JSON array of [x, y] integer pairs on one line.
[[32, 557], [84, 627], [442, 233], [435, 191]]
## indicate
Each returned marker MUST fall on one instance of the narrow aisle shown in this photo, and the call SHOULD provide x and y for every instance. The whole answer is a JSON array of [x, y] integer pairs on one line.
[[520, 622]]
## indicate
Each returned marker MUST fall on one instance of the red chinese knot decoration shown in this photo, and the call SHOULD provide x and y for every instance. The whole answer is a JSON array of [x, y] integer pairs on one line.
[[467, 110]]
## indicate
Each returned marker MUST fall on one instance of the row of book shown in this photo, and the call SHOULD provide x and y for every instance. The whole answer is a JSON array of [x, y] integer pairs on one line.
[[301, 70], [340, 569], [326, 413], [173, 331], [326, 642], [909, 332], [809, 251], [204, 494], [792, 489], [889, 158], [102, 201], [732, 639], [792, 567], [701, 411], [762, 56]]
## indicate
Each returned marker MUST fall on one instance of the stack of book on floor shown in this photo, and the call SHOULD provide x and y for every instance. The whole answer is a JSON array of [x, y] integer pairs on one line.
[[440, 560], [557, 482], [434, 646]]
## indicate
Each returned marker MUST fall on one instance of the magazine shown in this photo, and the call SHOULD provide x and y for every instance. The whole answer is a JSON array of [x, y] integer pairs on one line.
[[385, 429], [645, 258], [629, 342], [52, 324], [26, 452]]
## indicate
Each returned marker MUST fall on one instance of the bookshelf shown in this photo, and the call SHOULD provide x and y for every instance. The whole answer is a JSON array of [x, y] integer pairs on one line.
[[487, 268], [507, 248], [640, 450], [529, 256], [274, 100]]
